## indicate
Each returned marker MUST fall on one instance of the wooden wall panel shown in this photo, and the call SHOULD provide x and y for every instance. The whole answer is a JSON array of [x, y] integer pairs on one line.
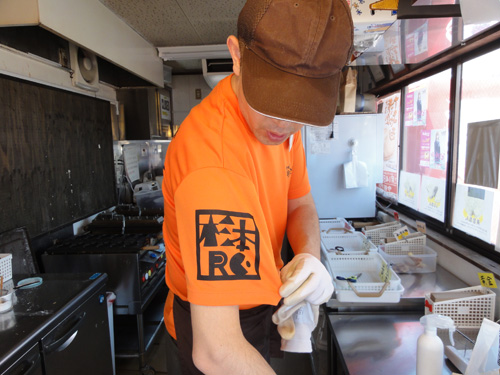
[[56, 157]]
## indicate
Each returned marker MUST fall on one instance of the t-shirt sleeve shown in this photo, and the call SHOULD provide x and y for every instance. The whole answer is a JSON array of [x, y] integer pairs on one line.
[[299, 184], [225, 246]]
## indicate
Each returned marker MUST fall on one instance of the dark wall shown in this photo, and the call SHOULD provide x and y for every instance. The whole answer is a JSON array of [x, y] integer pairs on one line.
[[56, 157]]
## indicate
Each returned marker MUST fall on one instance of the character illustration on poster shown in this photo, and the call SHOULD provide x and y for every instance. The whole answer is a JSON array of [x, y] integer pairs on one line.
[[439, 148]]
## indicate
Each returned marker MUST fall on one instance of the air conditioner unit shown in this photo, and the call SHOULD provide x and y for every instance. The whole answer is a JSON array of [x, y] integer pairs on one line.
[[216, 69], [84, 66]]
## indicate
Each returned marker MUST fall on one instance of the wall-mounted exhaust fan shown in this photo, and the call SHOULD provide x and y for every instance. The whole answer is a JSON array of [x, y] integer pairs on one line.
[[84, 66]]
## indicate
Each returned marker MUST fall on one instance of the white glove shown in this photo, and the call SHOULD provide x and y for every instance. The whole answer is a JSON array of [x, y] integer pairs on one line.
[[305, 278], [295, 325]]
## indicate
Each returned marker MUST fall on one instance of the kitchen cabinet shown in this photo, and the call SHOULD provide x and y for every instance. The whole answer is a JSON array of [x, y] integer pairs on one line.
[[30, 363], [58, 327]]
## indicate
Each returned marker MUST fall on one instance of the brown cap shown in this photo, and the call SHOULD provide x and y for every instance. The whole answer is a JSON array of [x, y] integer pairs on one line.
[[293, 57]]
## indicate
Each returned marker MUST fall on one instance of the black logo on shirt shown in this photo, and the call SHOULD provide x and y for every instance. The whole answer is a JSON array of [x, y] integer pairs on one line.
[[288, 171], [227, 245]]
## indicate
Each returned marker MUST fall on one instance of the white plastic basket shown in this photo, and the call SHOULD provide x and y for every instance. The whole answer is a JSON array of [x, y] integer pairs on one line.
[[467, 306], [377, 233], [416, 237], [335, 226], [407, 257], [369, 287], [6, 266], [348, 243]]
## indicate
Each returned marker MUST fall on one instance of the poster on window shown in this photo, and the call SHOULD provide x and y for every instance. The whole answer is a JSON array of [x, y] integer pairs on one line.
[[425, 148], [439, 149], [432, 197], [416, 105], [409, 189], [391, 109], [473, 211]]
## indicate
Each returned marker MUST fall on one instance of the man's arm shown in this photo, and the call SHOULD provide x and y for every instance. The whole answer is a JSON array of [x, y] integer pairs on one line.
[[303, 226], [219, 346]]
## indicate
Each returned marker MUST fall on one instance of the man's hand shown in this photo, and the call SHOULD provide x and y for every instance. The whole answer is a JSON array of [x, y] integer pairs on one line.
[[305, 278]]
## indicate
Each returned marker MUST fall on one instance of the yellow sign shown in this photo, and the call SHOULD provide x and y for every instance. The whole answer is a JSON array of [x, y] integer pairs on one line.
[[385, 273], [487, 280]]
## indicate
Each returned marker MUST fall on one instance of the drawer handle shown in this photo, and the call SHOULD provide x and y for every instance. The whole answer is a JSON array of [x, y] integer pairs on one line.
[[65, 340]]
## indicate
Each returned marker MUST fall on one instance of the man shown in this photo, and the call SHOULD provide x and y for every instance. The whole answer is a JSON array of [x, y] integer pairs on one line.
[[235, 180]]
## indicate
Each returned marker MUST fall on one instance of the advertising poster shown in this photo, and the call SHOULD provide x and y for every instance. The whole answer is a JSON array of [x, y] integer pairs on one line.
[[473, 211], [432, 197], [439, 146], [425, 148], [416, 105], [391, 110], [409, 189]]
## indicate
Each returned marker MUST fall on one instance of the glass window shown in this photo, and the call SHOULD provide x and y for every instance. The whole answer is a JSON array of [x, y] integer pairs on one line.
[[476, 207], [391, 108], [422, 179]]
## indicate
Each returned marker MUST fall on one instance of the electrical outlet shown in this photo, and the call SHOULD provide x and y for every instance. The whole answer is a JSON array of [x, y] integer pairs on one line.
[[197, 93]]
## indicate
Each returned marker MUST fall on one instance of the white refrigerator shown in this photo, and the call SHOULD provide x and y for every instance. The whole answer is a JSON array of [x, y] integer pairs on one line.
[[357, 137]]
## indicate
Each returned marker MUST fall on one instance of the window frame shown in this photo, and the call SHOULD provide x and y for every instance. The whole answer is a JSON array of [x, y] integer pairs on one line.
[[451, 59]]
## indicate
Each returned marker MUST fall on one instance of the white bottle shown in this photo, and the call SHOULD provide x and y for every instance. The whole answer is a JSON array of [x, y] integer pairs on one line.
[[430, 349]]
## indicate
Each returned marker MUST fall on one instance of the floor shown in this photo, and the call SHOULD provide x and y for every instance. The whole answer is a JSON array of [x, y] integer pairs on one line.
[[292, 363]]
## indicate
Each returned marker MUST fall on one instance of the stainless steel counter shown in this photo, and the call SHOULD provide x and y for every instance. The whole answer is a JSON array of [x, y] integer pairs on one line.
[[371, 339], [376, 344]]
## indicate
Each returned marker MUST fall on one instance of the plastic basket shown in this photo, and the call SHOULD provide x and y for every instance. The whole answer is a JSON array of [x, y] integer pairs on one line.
[[467, 306], [379, 232], [416, 237], [407, 257], [333, 226], [6, 266], [369, 287], [348, 243]]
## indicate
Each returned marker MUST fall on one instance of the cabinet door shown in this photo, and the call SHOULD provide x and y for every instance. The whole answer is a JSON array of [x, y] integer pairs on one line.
[[80, 345], [28, 364]]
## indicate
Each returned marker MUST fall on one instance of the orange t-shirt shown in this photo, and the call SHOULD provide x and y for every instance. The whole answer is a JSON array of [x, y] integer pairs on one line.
[[226, 197]]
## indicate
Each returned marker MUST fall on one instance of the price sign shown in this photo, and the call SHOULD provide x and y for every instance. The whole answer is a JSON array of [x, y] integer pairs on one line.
[[385, 273], [421, 227], [401, 233], [487, 279]]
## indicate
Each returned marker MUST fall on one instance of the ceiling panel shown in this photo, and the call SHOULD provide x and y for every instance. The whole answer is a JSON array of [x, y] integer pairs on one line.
[[169, 23]]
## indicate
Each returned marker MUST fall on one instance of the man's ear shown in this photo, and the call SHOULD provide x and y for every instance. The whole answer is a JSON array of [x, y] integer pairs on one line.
[[234, 50]]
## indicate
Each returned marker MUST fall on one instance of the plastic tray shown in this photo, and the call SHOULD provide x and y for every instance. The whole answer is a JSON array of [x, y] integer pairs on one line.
[[467, 306], [6, 266], [369, 287], [348, 243], [335, 226], [378, 233], [407, 257]]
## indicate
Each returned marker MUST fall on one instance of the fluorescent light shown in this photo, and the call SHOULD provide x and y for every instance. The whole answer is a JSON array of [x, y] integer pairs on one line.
[[214, 51]]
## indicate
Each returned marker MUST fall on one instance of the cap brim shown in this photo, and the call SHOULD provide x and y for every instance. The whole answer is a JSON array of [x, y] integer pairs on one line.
[[276, 93]]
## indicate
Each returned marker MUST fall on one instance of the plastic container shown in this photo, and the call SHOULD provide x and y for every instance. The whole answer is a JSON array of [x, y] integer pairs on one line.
[[348, 243], [335, 226], [5, 300], [6, 266], [378, 233], [369, 287], [467, 306], [407, 257]]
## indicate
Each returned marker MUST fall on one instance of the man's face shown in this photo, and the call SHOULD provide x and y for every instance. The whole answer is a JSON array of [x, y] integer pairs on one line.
[[267, 130]]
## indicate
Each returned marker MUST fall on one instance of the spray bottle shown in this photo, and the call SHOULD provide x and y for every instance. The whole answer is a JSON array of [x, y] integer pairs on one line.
[[430, 349]]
